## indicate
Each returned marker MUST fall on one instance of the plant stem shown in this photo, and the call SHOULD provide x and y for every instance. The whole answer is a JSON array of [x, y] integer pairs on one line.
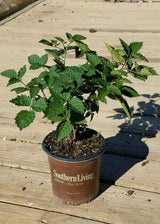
[[74, 133], [44, 94]]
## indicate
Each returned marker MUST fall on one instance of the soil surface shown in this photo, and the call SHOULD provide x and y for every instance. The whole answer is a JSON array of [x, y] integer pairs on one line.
[[87, 143]]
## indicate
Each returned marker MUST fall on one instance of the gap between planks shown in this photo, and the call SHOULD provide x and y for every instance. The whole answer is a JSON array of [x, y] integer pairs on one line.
[[19, 214], [113, 205]]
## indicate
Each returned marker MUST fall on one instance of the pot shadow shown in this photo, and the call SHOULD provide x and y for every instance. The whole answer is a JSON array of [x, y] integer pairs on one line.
[[127, 147]]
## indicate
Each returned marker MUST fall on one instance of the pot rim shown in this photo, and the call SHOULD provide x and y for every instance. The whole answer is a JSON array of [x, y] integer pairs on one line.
[[89, 158]]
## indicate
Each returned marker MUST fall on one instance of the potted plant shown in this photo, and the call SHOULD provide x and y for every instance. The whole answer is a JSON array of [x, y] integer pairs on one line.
[[70, 96]]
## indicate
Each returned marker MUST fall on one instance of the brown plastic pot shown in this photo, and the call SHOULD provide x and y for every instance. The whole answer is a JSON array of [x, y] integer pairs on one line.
[[75, 181]]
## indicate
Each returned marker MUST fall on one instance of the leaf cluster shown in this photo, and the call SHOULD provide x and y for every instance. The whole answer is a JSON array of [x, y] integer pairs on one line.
[[70, 95]]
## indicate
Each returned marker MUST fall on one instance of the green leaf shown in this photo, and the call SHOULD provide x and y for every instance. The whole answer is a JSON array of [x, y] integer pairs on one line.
[[125, 46], [125, 106], [116, 54], [53, 52], [102, 93], [35, 66], [139, 56], [152, 71], [12, 81], [114, 89], [21, 72], [9, 73], [64, 129], [82, 46], [78, 37], [76, 105], [119, 72], [43, 60], [77, 118], [128, 91], [99, 82], [21, 100], [39, 105], [19, 90], [93, 59], [120, 81], [91, 72], [139, 76], [135, 46], [33, 59], [46, 42], [34, 90], [110, 48], [55, 111], [70, 37], [24, 118], [60, 40]]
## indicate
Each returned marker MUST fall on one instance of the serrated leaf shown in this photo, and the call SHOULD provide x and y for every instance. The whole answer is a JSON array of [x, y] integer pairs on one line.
[[114, 89], [135, 46], [139, 76], [120, 82], [39, 105], [33, 59], [21, 100], [10, 73], [109, 47], [60, 40], [152, 71], [55, 111], [119, 72], [64, 129], [34, 90], [100, 82], [53, 52], [129, 91], [91, 72], [102, 93], [46, 42], [35, 66], [43, 59], [82, 46], [77, 118], [139, 56], [93, 59], [12, 81], [117, 55], [125, 106], [144, 71], [24, 118], [125, 46], [78, 37], [21, 72], [69, 37], [76, 105], [19, 90]]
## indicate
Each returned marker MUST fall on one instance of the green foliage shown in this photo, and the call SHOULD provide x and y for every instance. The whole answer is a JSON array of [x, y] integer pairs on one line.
[[70, 95], [24, 118]]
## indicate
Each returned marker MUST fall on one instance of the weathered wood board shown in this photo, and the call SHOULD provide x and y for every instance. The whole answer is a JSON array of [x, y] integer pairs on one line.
[[11, 213], [122, 171], [115, 205]]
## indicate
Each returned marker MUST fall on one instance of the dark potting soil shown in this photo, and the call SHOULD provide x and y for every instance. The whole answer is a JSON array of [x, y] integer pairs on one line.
[[87, 143]]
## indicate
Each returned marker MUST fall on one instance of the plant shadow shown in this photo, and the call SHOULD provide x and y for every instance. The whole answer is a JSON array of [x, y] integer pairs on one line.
[[128, 147]]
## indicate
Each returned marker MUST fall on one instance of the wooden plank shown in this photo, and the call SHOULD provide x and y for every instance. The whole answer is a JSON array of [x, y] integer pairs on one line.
[[11, 213], [135, 140], [115, 205], [122, 171]]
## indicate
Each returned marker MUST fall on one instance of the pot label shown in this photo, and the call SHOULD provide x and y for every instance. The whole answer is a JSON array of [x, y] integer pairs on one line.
[[73, 179]]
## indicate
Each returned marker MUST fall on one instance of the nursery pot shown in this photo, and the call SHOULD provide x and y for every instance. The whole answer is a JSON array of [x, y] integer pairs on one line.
[[75, 181]]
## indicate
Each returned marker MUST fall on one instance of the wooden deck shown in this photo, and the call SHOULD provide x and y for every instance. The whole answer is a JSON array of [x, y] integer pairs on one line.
[[130, 171]]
